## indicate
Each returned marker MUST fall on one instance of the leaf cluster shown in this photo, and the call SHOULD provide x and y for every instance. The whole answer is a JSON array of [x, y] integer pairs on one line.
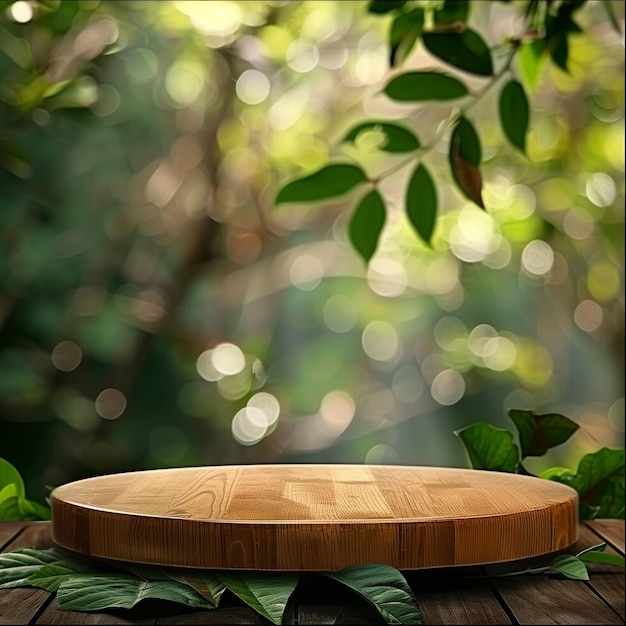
[[88, 584], [445, 32], [598, 480], [14, 506]]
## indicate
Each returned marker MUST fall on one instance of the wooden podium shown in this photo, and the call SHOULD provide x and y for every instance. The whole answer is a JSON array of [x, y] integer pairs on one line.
[[314, 517]]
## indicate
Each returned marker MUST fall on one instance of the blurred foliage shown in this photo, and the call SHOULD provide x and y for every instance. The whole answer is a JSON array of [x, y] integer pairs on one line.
[[157, 310]]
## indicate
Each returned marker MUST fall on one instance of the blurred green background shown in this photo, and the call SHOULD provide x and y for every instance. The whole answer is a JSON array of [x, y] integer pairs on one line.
[[157, 310]]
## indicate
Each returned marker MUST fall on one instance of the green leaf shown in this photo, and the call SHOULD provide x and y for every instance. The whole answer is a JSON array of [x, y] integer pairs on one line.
[[599, 481], [405, 30], [267, 594], [366, 224], [465, 155], [10, 510], [611, 501], [489, 448], [33, 511], [531, 60], [596, 554], [384, 6], [8, 491], [597, 467], [208, 585], [466, 142], [558, 28], [421, 203], [96, 593], [328, 182], [50, 577], [540, 432], [570, 567], [466, 51], [514, 113], [17, 566], [20, 509], [453, 11], [600, 547], [385, 588], [399, 138], [420, 86], [10, 476]]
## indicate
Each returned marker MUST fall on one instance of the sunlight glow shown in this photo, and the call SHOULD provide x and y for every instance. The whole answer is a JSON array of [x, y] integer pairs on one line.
[[21, 11], [110, 404], [66, 356], [252, 87], [588, 316], [228, 359], [448, 387], [537, 257], [380, 341]]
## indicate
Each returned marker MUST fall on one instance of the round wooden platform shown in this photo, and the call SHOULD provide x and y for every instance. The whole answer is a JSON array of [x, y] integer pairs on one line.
[[314, 517]]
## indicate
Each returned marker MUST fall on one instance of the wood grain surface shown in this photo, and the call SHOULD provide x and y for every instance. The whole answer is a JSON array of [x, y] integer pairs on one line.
[[314, 517]]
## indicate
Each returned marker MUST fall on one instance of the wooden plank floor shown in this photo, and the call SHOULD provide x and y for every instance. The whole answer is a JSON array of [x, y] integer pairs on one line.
[[444, 597]]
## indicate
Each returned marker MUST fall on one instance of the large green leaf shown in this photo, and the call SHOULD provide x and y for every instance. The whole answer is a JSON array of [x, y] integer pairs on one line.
[[405, 30], [366, 224], [399, 138], [599, 481], [420, 86], [489, 448], [50, 577], [514, 113], [421, 203], [328, 182], [96, 593], [10, 476], [570, 566], [465, 154], [466, 50], [540, 432], [597, 467], [385, 588], [17, 566], [267, 594]]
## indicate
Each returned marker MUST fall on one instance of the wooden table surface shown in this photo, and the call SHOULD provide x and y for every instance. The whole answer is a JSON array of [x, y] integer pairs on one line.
[[444, 596]]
